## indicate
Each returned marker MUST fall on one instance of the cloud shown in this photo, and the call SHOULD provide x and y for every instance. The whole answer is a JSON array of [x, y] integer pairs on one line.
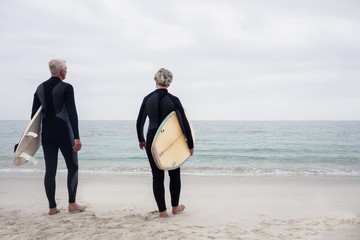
[[231, 59]]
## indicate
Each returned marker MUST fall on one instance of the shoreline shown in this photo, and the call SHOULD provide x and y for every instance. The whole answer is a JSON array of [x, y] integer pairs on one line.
[[226, 207], [147, 172]]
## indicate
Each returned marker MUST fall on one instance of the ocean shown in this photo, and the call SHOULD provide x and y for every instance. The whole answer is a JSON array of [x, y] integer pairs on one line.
[[222, 148]]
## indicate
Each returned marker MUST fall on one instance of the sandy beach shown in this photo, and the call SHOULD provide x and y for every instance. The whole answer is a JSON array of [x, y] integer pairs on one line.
[[122, 207]]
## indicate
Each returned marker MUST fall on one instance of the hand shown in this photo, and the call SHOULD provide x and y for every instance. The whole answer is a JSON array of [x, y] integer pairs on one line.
[[142, 145], [77, 145], [191, 152]]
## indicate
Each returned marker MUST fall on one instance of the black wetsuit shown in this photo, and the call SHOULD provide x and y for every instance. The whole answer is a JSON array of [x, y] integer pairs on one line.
[[157, 105], [59, 129]]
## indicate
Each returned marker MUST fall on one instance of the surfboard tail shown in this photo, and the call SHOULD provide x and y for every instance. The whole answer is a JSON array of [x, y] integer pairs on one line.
[[28, 158]]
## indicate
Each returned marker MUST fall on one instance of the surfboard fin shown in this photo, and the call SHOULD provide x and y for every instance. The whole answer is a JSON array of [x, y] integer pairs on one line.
[[31, 134], [28, 158], [15, 147]]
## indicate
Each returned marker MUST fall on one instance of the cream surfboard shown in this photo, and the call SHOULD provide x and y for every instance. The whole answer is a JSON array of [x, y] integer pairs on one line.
[[169, 148], [30, 141]]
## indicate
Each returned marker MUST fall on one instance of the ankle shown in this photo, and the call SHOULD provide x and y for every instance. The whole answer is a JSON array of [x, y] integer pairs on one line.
[[178, 209], [53, 211], [73, 204], [163, 214], [74, 207]]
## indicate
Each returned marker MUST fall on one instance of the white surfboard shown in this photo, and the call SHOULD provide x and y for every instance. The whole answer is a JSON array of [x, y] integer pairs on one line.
[[30, 141], [169, 148]]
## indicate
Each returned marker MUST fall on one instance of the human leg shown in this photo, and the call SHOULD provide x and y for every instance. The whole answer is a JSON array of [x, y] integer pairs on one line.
[[72, 178], [51, 160], [158, 177], [72, 166], [175, 188]]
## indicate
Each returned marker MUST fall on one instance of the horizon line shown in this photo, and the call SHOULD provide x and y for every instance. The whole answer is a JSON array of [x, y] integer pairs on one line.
[[238, 120]]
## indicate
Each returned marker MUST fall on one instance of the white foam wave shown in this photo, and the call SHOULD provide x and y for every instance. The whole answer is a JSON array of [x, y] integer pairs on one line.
[[203, 171]]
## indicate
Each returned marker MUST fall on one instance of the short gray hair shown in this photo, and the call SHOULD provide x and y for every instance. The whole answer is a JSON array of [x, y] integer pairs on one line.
[[55, 65], [163, 77]]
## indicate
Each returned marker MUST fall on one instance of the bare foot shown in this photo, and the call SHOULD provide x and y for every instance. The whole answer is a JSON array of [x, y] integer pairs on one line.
[[163, 214], [178, 209], [53, 211], [74, 207]]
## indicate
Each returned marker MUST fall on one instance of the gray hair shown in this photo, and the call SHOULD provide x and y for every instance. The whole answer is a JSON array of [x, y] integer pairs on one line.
[[163, 77], [55, 65]]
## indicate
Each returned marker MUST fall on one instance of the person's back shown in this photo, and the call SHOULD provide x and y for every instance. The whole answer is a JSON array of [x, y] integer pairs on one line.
[[59, 131], [59, 111], [157, 105]]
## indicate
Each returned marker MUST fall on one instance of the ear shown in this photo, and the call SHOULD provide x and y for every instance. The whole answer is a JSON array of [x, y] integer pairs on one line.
[[62, 73]]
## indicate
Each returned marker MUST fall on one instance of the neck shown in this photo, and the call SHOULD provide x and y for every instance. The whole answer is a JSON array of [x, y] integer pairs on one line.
[[58, 75], [160, 87]]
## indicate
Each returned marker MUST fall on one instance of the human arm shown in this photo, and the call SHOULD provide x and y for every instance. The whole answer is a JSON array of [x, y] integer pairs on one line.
[[73, 117], [71, 110], [36, 104], [140, 122], [185, 125]]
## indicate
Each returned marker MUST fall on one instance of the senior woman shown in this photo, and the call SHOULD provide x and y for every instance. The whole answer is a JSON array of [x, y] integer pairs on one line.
[[156, 106]]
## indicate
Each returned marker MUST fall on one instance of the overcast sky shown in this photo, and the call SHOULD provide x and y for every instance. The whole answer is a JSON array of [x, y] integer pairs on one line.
[[231, 59]]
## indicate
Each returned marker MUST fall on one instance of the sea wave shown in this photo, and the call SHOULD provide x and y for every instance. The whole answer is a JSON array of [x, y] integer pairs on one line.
[[204, 171], [222, 149]]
